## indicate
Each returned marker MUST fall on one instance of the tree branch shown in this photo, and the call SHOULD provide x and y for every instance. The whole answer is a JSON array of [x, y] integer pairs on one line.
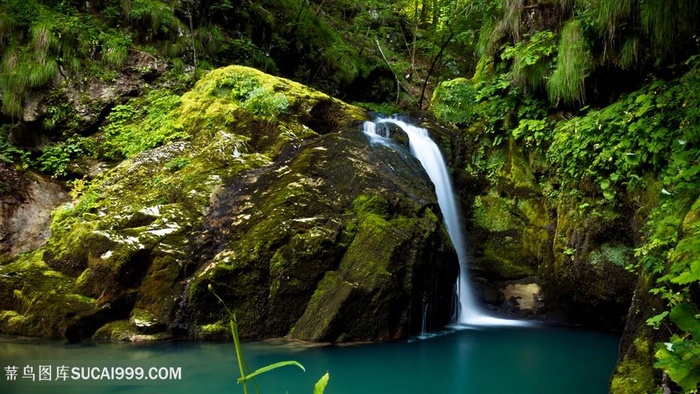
[[399, 85], [432, 65]]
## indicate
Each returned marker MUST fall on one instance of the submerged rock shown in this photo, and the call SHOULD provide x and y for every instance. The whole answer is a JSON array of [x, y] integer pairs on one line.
[[275, 198]]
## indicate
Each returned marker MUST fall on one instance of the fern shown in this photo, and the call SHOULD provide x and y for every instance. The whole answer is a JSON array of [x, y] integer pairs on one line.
[[531, 60], [510, 24], [43, 41], [12, 104], [6, 30]]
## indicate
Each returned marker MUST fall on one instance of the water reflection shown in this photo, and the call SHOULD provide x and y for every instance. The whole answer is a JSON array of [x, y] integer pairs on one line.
[[489, 361]]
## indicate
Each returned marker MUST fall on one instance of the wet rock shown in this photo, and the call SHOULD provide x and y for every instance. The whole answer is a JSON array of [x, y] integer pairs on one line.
[[519, 226], [276, 199], [524, 296]]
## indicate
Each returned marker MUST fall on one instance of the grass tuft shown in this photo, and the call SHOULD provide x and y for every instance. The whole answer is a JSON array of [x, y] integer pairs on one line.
[[574, 62]]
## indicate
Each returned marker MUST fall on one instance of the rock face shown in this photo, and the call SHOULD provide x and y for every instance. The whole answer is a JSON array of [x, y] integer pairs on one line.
[[536, 253], [25, 210], [80, 104], [276, 199]]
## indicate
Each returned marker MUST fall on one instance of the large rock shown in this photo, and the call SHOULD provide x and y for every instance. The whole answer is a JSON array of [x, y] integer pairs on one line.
[[276, 199], [26, 201]]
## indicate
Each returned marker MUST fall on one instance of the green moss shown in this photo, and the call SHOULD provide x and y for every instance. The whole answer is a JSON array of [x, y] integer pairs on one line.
[[534, 213], [370, 204], [616, 254], [325, 304], [691, 222], [454, 101], [218, 330], [368, 256], [503, 257], [516, 177], [115, 331], [493, 213], [38, 301], [635, 374]]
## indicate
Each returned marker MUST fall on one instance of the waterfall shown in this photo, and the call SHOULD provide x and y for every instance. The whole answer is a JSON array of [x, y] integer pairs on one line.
[[427, 152], [423, 325]]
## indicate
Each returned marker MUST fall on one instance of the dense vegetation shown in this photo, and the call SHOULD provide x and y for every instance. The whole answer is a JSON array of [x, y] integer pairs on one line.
[[604, 92], [601, 95]]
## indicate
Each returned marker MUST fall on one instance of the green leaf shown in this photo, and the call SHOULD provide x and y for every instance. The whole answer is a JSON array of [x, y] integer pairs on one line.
[[270, 367], [655, 321], [678, 361], [685, 317], [689, 275], [676, 369], [320, 386]]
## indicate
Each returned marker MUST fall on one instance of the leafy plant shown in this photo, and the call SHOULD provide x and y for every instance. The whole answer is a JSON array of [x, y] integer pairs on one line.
[[680, 357], [454, 101], [177, 164], [55, 158], [264, 103], [12, 154], [246, 375], [617, 145], [531, 59]]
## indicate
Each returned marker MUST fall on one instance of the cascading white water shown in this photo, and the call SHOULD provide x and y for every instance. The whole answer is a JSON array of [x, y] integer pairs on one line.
[[428, 153]]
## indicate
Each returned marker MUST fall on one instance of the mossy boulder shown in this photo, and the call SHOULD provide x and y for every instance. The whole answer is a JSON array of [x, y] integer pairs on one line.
[[263, 188], [322, 258], [634, 372], [38, 301]]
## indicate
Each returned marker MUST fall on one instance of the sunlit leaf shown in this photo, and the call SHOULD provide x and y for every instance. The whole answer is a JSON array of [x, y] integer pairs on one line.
[[320, 386], [655, 321], [270, 367]]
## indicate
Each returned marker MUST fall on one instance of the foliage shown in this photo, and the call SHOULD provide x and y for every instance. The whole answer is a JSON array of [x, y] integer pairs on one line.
[[666, 143], [595, 38], [574, 62], [135, 127], [644, 146], [12, 154], [454, 101], [243, 369], [531, 59], [264, 103], [55, 158], [383, 108], [647, 131], [533, 131], [680, 357], [177, 164], [38, 40]]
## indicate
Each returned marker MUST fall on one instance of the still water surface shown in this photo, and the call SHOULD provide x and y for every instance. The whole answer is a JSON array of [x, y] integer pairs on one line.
[[490, 361]]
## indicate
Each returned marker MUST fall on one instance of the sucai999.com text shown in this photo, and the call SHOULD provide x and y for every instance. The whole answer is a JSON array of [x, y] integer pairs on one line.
[[63, 373]]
